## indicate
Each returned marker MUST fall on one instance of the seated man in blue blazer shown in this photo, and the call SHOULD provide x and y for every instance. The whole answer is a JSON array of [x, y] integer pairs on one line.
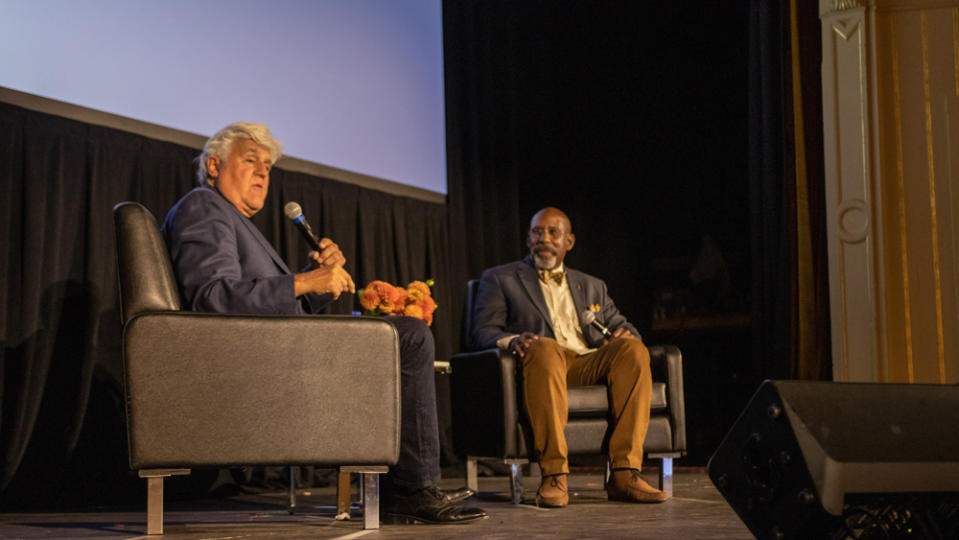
[[539, 310], [223, 264]]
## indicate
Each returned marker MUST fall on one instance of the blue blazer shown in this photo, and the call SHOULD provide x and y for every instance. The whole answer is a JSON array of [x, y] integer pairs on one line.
[[510, 301], [224, 264]]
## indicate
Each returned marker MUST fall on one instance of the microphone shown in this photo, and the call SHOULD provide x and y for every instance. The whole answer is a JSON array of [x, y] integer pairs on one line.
[[295, 213], [588, 317]]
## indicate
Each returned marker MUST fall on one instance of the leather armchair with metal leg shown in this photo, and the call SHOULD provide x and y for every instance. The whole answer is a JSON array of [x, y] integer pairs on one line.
[[488, 418], [216, 390]]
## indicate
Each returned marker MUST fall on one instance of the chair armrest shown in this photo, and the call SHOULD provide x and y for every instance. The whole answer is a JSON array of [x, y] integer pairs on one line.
[[218, 390], [484, 403], [666, 365]]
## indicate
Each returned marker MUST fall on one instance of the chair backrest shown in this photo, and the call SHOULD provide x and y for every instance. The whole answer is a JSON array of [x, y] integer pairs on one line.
[[144, 271], [472, 286]]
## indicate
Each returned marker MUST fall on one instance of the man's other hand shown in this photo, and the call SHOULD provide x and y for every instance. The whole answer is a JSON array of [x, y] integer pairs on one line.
[[522, 342], [621, 332], [329, 255], [326, 279]]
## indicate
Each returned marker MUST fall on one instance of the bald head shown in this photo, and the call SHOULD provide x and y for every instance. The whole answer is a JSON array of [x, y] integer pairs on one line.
[[550, 237], [551, 211]]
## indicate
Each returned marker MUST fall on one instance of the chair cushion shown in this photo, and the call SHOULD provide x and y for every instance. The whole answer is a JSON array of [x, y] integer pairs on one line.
[[658, 403], [593, 401], [588, 401], [585, 436], [659, 436]]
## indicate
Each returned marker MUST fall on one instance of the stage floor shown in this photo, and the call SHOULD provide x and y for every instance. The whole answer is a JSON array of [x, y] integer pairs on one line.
[[696, 510]]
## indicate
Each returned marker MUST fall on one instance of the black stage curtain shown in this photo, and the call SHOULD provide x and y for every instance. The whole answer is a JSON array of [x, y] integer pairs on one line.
[[769, 195], [654, 125], [629, 116], [63, 435], [787, 193], [483, 131]]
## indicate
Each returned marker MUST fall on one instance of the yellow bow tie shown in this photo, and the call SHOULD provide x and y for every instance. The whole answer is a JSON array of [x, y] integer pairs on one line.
[[546, 275]]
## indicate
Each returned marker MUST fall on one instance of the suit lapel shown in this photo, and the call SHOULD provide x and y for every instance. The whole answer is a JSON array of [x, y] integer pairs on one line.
[[577, 286], [251, 228], [530, 279], [305, 303]]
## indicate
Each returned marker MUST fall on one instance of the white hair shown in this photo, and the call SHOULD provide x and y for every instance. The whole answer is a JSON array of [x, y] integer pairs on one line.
[[221, 142]]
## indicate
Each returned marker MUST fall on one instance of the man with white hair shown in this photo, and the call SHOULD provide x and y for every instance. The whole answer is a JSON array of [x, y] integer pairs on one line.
[[224, 264]]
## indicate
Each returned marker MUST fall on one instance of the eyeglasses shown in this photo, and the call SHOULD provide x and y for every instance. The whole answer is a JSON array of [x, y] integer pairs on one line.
[[553, 232]]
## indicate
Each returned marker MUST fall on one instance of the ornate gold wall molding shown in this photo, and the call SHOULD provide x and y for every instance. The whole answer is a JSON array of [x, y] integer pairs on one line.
[[890, 78], [827, 7], [834, 6]]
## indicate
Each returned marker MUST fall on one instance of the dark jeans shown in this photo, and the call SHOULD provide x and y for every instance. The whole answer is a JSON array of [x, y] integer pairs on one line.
[[419, 463]]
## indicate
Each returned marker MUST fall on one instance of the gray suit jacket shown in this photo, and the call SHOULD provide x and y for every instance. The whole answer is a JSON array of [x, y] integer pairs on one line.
[[510, 301], [224, 264]]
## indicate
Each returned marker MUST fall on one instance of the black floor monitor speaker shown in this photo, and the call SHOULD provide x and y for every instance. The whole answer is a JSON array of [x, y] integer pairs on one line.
[[844, 460]]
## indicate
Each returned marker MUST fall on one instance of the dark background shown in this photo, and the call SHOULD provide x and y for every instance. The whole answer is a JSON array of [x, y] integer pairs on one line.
[[659, 127], [631, 117]]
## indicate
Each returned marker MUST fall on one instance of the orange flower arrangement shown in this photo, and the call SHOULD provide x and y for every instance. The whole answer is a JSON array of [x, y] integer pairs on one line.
[[416, 300]]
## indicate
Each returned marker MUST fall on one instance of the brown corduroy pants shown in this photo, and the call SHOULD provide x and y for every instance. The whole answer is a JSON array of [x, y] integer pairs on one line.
[[622, 364]]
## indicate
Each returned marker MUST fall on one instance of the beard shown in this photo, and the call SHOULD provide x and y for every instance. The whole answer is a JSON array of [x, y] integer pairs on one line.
[[544, 257]]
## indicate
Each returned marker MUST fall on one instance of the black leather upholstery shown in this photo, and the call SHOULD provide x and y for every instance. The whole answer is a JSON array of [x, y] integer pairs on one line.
[[146, 276], [486, 406], [215, 390]]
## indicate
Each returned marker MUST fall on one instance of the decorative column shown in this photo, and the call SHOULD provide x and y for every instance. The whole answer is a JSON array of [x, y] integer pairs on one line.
[[851, 198], [890, 77]]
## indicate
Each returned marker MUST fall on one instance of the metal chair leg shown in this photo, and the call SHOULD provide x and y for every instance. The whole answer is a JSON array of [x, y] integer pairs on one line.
[[666, 476], [371, 500], [516, 481], [471, 480], [292, 506], [515, 475], [155, 505], [369, 491], [155, 496]]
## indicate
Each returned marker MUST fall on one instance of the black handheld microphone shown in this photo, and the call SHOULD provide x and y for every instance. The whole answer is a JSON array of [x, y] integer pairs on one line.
[[295, 213], [588, 317]]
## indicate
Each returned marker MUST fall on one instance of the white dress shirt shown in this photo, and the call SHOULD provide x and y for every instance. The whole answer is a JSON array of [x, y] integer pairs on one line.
[[562, 313]]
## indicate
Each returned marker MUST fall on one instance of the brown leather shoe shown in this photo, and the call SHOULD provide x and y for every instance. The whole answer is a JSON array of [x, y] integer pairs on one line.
[[552, 492], [628, 486]]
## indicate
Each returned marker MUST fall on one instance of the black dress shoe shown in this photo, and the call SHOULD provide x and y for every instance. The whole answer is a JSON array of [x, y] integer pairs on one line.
[[428, 505], [458, 494]]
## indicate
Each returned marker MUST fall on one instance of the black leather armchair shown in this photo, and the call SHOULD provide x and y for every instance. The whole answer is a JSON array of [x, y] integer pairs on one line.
[[214, 390], [489, 423]]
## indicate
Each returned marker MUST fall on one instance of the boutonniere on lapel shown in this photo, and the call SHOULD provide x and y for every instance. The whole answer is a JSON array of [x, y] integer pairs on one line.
[[594, 308]]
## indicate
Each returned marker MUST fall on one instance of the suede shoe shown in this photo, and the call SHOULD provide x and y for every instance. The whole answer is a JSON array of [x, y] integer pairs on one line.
[[628, 486], [458, 494], [428, 505], [552, 492]]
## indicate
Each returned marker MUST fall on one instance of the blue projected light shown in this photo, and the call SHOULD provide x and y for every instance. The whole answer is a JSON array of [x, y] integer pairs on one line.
[[355, 84]]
